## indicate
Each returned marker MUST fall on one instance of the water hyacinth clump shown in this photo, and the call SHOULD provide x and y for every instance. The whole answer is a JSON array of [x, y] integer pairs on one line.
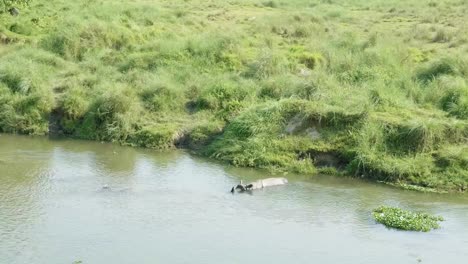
[[393, 217]]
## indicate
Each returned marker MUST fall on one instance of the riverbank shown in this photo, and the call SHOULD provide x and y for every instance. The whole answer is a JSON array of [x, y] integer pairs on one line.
[[375, 90]]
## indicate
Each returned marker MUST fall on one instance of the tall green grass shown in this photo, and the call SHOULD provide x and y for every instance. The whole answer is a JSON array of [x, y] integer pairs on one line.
[[375, 89]]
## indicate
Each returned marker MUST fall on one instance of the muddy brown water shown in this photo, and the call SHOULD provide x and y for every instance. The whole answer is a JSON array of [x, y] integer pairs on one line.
[[172, 207]]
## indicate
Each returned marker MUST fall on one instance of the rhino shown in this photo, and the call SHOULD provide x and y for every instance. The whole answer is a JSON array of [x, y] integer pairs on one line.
[[260, 184]]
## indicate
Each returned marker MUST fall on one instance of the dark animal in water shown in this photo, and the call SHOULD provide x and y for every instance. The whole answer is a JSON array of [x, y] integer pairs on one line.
[[239, 187]]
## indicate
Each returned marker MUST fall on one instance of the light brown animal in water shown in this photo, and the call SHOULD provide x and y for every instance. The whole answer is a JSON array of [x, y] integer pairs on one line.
[[260, 184]]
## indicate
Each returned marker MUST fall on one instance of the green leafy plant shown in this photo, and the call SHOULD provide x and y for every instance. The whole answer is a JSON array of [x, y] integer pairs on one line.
[[394, 217]]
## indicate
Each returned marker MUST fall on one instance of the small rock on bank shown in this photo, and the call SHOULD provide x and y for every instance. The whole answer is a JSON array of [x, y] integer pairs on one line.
[[14, 11]]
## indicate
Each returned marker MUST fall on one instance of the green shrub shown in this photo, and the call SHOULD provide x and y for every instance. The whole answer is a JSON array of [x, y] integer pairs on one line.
[[405, 220]]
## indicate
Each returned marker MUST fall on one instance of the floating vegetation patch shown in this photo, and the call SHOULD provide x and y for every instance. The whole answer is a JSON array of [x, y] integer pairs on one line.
[[411, 187], [393, 217]]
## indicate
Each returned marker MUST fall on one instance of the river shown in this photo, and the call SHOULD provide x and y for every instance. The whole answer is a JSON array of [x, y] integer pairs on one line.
[[173, 207]]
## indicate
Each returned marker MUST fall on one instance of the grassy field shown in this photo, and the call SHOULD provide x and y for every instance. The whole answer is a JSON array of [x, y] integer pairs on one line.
[[374, 89]]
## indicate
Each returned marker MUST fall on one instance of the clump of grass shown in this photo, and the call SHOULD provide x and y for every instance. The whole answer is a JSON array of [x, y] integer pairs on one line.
[[266, 65], [160, 136], [25, 76], [417, 55], [382, 166], [441, 67], [22, 29], [275, 88], [455, 102], [141, 61], [452, 162], [74, 106], [311, 60], [218, 95], [259, 137], [302, 31], [454, 155], [162, 97], [249, 140], [393, 217], [112, 117], [6, 4], [271, 4], [202, 134], [74, 41], [442, 36], [380, 151]]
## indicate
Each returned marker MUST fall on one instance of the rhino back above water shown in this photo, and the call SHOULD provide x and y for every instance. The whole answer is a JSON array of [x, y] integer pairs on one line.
[[259, 184]]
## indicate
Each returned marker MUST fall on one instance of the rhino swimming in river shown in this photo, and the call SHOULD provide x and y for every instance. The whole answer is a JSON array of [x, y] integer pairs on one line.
[[260, 184]]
